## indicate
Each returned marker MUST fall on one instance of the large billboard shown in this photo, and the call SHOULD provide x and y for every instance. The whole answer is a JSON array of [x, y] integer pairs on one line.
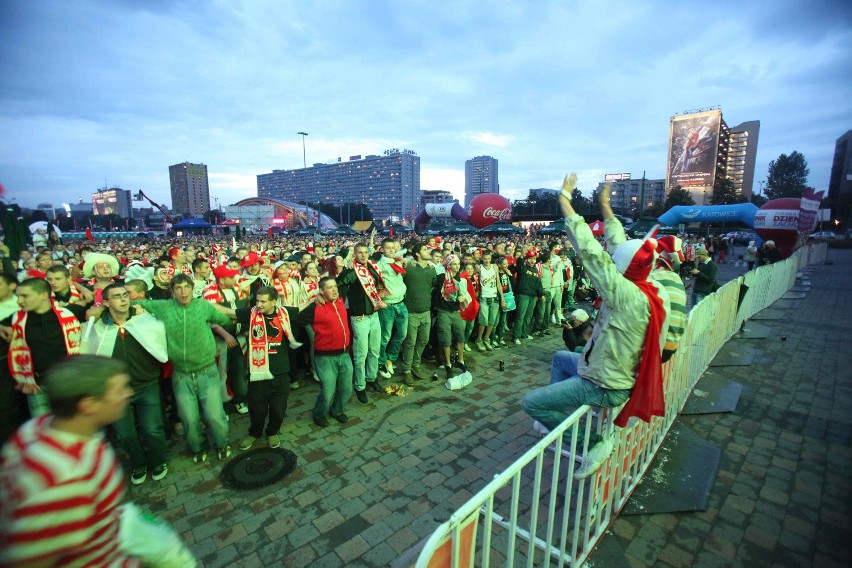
[[693, 147]]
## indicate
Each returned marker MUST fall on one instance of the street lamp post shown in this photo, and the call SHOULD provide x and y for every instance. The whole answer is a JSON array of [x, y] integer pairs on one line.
[[304, 155]]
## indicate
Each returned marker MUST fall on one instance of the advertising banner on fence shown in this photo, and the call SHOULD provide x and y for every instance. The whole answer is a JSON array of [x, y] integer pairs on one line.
[[693, 146]]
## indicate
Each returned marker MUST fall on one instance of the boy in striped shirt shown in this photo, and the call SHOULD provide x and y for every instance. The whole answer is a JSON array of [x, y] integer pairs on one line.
[[60, 482]]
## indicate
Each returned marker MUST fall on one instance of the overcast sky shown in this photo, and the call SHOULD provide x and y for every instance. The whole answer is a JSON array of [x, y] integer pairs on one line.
[[115, 91]]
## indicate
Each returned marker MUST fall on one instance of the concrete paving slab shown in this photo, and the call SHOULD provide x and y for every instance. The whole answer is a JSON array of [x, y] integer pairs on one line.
[[735, 354], [715, 392], [770, 314], [680, 478], [754, 330]]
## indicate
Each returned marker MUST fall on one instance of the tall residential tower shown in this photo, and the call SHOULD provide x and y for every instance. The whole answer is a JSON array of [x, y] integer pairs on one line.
[[480, 176], [190, 190]]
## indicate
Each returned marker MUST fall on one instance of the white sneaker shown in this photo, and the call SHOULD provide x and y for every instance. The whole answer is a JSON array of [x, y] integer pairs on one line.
[[480, 346], [595, 458], [540, 428], [389, 365], [517, 342], [488, 345], [241, 407], [467, 347]]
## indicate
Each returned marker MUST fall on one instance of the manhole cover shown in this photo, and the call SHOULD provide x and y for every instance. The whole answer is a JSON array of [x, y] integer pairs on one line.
[[258, 468]]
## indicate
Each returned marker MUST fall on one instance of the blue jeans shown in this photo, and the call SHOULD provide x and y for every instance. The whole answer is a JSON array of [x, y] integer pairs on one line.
[[200, 387], [567, 392], [145, 405], [542, 313], [335, 373], [231, 361], [366, 340], [523, 315], [696, 297], [394, 320], [501, 327]]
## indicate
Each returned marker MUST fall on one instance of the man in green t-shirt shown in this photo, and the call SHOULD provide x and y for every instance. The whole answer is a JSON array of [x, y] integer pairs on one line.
[[192, 352]]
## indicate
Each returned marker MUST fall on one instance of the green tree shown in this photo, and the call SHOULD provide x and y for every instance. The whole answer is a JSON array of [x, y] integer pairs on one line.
[[654, 210], [788, 176], [758, 199], [677, 196], [725, 193], [579, 202]]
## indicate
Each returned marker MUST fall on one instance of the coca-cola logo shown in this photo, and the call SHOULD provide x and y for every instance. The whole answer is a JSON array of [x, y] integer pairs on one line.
[[504, 214]]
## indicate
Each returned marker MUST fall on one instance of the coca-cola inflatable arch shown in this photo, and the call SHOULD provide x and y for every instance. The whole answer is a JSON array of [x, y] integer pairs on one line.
[[484, 210]]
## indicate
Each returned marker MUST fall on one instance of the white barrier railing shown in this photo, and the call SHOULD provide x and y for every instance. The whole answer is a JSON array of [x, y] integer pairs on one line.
[[545, 515]]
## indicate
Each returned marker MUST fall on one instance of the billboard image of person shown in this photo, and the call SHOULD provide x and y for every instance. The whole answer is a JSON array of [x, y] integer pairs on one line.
[[693, 146]]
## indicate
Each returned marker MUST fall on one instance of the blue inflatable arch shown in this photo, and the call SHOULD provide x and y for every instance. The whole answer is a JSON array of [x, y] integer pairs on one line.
[[742, 212]]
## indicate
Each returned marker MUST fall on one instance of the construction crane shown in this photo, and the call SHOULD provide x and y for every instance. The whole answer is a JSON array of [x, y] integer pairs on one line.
[[140, 195]]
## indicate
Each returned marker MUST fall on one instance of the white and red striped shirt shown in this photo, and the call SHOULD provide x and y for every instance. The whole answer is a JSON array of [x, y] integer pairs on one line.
[[59, 499]]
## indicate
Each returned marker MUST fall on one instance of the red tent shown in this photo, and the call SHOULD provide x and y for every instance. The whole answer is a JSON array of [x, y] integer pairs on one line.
[[597, 228]]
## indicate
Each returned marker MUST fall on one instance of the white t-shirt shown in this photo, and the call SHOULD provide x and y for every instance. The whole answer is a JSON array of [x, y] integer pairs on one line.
[[488, 281]]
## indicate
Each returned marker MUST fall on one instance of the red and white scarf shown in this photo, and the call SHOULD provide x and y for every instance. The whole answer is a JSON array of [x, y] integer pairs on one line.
[[258, 345], [185, 269], [311, 288], [647, 399], [20, 355], [213, 294], [75, 295], [369, 284], [450, 289]]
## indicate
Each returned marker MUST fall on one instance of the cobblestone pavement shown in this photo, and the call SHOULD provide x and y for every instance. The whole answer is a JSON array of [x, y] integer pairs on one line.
[[366, 491]]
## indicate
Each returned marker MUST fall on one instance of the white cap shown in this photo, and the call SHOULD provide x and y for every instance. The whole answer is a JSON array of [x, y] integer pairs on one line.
[[580, 315]]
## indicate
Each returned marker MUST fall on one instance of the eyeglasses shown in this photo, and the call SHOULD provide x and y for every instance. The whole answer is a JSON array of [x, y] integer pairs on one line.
[[126, 295]]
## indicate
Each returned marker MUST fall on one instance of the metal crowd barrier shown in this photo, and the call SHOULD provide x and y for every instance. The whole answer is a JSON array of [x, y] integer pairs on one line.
[[535, 513]]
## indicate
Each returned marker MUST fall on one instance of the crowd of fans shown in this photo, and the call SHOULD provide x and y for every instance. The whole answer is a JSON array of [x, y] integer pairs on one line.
[[205, 327], [407, 301]]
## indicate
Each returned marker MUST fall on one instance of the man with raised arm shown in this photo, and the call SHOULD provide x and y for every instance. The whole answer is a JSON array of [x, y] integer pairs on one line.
[[666, 272], [623, 353]]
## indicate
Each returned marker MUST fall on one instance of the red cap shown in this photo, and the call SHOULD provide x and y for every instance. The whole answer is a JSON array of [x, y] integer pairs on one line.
[[531, 254], [249, 259], [173, 252], [222, 271]]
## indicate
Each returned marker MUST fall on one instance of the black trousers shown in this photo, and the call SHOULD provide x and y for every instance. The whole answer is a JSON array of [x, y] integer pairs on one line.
[[268, 399]]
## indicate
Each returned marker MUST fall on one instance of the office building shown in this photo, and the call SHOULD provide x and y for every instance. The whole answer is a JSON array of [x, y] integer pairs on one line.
[[840, 183], [190, 189], [702, 149], [742, 156], [480, 176], [389, 184], [113, 201], [628, 194]]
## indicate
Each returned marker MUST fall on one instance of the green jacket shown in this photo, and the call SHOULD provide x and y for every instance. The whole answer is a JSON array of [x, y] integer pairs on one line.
[[189, 339]]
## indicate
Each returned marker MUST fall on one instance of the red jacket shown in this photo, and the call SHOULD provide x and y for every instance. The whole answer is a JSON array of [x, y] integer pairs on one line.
[[331, 328]]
